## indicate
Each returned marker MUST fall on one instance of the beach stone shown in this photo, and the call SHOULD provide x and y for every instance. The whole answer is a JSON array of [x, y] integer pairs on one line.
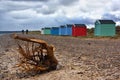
[[6, 50], [84, 58], [104, 66], [2, 76], [80, 72]]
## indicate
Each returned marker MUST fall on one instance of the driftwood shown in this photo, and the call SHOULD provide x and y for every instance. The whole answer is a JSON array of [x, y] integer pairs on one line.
[[36, 54]]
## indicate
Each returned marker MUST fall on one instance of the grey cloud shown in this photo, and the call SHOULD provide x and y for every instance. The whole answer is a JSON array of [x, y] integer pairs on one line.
[[7, 23], [21, 17], [115, 4], [8, 26], [49, 13], [75, 20], [48, 8], [12, 5], [7, 6], [115, 8], [67, 2], [111, 16], [41, 22], [30, 0], [46, 11], [81, 20], [54, 5]]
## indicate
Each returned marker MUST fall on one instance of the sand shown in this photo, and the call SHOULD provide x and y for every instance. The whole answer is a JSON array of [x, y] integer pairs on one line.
[[79, 59]]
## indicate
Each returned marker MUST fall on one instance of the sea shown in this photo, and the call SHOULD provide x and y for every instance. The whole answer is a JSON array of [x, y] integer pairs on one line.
[[8, 32]]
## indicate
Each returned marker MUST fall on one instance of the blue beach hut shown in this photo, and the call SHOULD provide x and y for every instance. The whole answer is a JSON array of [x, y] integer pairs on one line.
[[69, 29], [55, 31], [62, 30]]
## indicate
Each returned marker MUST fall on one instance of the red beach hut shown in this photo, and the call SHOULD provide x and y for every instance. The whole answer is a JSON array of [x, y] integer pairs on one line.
[[79, 30]]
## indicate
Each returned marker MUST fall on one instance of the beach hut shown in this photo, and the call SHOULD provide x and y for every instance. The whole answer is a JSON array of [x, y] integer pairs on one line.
[[69, 29], [62, 30], [104, 28], [42, 30], [79, 30], [55, 31], [47, 31]]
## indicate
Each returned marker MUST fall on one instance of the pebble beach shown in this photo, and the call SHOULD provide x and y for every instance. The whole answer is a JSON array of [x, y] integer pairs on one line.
[[79, 59]]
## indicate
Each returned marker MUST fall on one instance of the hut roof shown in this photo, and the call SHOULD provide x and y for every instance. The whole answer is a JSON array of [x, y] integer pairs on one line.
[[69, 24], [83, 25], [62, 26], [55, 27], [47, 28], [106, 21]]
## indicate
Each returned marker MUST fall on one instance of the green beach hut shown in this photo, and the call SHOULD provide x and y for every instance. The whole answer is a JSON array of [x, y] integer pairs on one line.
[[104, 28], [47, 31]]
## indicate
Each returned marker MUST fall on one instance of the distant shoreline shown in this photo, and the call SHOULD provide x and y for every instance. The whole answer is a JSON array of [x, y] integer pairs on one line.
[[4, 34], [8, 32]]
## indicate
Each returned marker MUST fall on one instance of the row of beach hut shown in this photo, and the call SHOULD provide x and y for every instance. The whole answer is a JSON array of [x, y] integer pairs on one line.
[[67, 30], [102, 28]]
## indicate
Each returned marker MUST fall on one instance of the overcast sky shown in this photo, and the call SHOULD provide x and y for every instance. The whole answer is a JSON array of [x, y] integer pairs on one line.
[[34, 14]]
